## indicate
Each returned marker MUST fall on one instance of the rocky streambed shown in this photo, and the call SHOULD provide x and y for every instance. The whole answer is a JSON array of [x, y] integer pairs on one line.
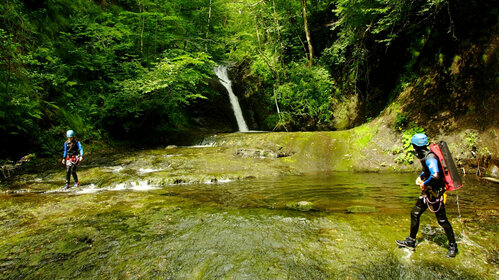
[[243, 206]]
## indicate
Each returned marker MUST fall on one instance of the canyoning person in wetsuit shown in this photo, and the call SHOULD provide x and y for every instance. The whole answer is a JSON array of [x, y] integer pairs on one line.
[[432, 191], [73, 154]]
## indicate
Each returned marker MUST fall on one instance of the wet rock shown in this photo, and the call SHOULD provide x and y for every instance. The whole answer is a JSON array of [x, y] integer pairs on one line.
[[361, 209], [493, 171], [178, 181], [256, 153], [301, 206], [171, 147], [491, 179]]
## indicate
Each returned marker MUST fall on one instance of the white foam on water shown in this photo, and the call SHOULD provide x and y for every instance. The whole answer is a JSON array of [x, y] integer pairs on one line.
[[19, 191], [218, 181], [57, 190], [119, 187], [53, 191], [88, 189], [224, 181], [91, 188], [148, 170], [143, 186], [115, 169], [202, 145], [135, 186], [407, 255]]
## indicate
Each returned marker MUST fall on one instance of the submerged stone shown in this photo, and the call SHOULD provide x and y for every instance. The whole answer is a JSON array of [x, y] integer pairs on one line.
[[301, 206], [361, 209]]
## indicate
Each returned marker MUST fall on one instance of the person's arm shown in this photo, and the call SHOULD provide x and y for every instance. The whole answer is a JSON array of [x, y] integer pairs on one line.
[[432, 164], [80, 147], [65, 153]]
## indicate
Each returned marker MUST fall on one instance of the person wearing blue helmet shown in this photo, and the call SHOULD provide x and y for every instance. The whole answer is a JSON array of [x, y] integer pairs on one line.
[[73, 154], [432, 190]]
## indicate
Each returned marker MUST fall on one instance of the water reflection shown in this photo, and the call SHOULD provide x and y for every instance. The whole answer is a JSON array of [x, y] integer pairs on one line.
[[389, 193]]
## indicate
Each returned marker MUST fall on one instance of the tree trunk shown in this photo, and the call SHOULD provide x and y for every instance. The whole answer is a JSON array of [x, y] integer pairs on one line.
[[208, 27], [257, 33], [278, 27], [141, 25], [307, 33]]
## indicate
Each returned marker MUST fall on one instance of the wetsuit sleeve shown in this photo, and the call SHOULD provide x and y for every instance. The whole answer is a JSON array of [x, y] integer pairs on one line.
[[80, 148], [432, 164], [65, 150]]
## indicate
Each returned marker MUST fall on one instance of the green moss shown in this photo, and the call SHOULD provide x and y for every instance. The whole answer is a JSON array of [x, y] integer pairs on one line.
[[361, 209], [249, 228], [364, 135]]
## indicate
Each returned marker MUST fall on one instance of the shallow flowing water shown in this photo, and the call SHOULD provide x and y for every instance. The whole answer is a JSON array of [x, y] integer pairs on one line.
[[246, 229]]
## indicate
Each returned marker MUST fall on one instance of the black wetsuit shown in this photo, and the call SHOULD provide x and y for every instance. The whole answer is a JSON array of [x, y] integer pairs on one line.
[[72, 151], [434, 192]]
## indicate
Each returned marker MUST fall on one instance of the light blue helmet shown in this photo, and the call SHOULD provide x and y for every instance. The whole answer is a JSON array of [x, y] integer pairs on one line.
[[419, 140], [70, 133]]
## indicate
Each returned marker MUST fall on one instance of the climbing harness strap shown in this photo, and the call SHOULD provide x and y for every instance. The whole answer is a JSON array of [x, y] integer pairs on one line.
[[439, 200], [72, 160]]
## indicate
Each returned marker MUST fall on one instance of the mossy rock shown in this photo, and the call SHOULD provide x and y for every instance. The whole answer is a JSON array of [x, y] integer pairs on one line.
[[361, 209], [301, 206]]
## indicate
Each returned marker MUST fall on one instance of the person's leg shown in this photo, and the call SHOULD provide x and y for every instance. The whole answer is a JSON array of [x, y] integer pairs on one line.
[[444, 222], [75, 176], [416, 212], [68, 175]]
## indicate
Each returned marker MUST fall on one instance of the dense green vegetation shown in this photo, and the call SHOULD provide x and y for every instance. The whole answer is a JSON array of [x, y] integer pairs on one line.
[[120, 68]]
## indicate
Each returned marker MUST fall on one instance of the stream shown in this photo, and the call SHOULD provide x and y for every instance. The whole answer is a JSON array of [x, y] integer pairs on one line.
[[121, 225]]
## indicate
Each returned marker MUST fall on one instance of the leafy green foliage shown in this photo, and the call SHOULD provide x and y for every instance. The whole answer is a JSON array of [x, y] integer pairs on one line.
[[121, 67], [160, 95], [471, 139], [99, 68], [306, 95], [405, 154], [401, 121], [20, 104]]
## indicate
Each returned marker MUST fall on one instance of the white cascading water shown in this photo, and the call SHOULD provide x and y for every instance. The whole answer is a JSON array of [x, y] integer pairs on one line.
[[222, 75]]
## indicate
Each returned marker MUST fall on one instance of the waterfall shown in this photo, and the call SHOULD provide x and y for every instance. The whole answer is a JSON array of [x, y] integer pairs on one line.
[[222, 75]]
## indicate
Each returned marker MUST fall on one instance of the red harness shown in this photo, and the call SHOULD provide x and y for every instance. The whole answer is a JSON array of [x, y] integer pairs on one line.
[[72, 160]]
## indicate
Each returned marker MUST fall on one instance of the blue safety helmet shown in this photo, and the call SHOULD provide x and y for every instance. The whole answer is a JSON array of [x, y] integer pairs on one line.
[[419, 140], [70, 133]]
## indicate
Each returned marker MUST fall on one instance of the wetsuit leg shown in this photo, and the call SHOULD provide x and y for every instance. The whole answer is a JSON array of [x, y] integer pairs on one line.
[[73, 171], [444, 222], [68, 173], [416, 213]]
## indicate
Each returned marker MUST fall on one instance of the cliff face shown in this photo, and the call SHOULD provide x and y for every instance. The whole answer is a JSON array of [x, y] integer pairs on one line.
[[457, 101], [464, 94]]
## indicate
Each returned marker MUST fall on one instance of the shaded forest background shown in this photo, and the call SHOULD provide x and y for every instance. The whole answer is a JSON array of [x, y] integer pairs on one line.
[[130, 69]]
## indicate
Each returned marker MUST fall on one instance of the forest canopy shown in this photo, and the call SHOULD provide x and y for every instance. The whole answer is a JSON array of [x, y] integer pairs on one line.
[[110, 69]]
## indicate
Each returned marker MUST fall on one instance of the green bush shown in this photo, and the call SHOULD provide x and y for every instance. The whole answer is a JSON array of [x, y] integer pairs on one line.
[[406, 155], [306, 95], [401, 121], [157, 99]]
